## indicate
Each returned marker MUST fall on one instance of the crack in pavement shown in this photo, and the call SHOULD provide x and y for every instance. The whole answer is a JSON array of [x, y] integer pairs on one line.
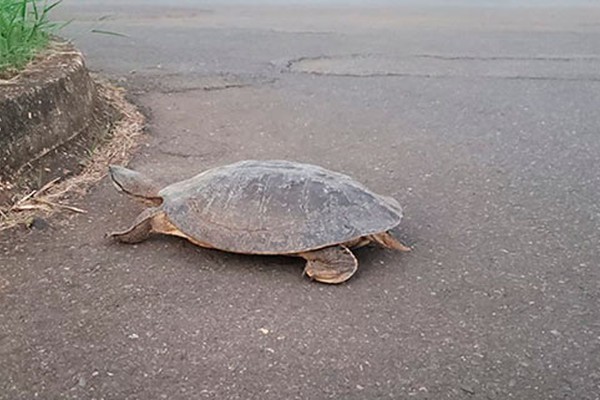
[[434, 76], [282, 31], [185, 156], [178, 154], [507, 58], [290, 63], [215, 88], [205, 88]]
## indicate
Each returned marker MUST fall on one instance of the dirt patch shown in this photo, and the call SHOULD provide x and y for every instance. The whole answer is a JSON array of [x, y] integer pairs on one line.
[[511, 67]]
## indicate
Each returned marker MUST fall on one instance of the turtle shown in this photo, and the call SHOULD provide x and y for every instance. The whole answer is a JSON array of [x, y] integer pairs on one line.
[[267, 207]]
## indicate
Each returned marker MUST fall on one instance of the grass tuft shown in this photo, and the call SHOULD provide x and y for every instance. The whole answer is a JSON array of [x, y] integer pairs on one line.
[[24, 30]]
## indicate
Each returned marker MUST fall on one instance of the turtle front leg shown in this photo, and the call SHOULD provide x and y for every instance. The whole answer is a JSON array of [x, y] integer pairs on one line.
[[335, 264], [140, 230]]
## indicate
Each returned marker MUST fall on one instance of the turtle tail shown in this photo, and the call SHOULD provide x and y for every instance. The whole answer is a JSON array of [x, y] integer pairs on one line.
[[135, 184]]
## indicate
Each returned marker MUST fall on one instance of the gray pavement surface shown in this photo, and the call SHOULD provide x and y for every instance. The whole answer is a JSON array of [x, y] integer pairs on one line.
[[483, 122]]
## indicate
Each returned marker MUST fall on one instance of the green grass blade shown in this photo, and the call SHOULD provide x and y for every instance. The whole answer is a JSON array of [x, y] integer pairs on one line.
[[108, 33], [62, 25], [46, 10], [36, 15], [23, 10]]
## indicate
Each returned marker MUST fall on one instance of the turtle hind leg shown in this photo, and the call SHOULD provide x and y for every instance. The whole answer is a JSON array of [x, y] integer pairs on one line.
[[386, 240], [335, 264], [140, 230]]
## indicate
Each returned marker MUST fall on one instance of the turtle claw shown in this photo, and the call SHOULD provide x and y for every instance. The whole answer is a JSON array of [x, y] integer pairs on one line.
[[134, 235]]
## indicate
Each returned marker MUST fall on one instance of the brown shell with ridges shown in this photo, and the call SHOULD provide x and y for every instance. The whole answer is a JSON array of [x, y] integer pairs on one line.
[[276, 207]]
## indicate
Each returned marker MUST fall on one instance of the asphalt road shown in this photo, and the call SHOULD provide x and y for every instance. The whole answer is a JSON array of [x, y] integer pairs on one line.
[[482, 122]]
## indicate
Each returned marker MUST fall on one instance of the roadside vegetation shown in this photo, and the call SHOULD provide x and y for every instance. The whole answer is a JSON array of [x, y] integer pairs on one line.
[[24, 30]]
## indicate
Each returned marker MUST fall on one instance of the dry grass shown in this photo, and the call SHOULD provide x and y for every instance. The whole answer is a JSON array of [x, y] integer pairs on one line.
[[53, 196]]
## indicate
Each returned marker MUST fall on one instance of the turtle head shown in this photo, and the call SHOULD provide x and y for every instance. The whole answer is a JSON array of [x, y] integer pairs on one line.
[[135, 184]]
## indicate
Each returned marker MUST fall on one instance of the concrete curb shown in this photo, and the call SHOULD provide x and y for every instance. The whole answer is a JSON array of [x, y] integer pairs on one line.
[[51, 103]]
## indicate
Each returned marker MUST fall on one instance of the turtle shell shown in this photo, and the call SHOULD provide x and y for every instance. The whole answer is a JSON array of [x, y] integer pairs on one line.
[[276, 207]]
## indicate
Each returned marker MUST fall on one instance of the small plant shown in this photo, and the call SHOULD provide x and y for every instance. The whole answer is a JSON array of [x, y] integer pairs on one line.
[[24, 30]]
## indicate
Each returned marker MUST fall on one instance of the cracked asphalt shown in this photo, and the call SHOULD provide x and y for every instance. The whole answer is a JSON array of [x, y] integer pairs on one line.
[[482, 122]]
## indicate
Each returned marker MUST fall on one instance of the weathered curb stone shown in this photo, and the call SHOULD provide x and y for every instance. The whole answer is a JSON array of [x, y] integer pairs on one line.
[[51, 103]]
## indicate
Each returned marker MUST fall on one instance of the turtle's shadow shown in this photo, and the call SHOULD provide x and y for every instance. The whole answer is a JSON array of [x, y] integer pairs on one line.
[[272, 264], [218, 260]]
